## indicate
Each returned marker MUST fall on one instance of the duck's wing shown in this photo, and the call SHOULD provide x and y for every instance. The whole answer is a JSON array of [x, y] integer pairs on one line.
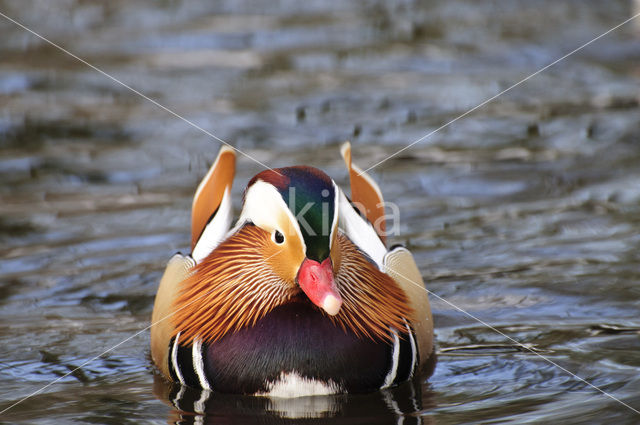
[[365, 194], [211, 216], [400, 265], [356, 217], [162, 327], [211, 213], [359, 230]]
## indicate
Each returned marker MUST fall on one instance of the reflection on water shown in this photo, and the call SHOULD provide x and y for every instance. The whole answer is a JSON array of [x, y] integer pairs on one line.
[[396, 405], [524, 213]]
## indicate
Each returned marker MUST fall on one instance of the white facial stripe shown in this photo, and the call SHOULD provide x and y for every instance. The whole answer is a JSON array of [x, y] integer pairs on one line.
[[261, 200], [336, 205]]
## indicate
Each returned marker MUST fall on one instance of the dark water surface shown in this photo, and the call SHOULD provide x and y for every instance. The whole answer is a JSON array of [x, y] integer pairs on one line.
[[526, 213]]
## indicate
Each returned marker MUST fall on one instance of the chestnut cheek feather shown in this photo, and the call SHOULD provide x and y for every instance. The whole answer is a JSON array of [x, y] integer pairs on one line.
[[317, 282]]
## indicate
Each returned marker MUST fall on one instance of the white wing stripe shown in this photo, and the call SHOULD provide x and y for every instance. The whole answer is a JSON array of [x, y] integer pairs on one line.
[[414, 351], [395, 356], [174, 359], [198, 364]]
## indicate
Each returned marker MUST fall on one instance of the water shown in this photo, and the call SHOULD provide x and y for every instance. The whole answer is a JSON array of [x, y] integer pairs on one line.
[[525, 214]]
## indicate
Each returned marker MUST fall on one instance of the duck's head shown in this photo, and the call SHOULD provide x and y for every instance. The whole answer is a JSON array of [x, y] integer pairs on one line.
[[298, 208], [286, 248]]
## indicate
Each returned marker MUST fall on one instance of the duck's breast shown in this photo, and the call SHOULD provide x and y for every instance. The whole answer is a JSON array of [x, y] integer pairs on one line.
[[296, 350]]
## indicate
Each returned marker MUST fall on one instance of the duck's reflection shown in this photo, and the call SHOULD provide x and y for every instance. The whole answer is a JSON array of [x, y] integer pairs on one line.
[[403, 404]]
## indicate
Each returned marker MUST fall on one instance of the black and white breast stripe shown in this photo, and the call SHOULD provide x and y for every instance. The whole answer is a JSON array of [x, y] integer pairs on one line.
[[186, 364], [403, 359]]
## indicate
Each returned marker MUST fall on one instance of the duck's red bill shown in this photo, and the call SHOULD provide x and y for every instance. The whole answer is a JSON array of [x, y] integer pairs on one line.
[[316, 280]]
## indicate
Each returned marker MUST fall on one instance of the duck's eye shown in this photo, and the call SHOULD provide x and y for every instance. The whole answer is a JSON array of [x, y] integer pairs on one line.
[[278, 237]]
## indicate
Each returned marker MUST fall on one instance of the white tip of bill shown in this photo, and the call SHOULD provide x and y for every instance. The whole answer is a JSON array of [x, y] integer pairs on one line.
[[331, 304]]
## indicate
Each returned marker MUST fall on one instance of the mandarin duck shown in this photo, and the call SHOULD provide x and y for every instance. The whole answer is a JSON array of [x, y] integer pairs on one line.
[[300, 297]]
